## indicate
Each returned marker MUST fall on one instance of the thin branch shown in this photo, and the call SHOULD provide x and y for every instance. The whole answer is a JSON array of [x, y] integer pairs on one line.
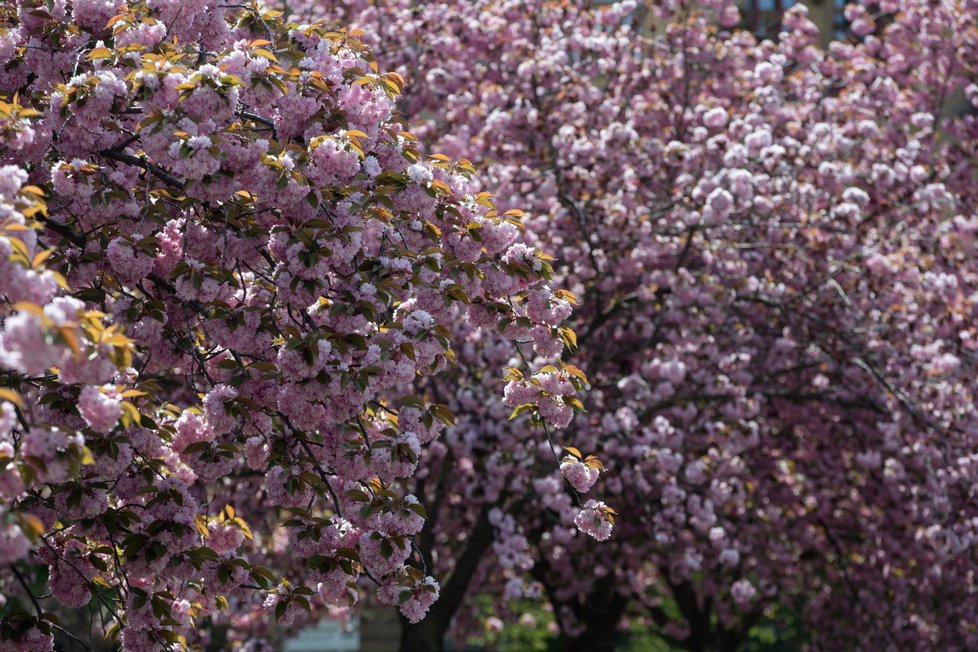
[[254, 117], [141, 162], [30, 594]]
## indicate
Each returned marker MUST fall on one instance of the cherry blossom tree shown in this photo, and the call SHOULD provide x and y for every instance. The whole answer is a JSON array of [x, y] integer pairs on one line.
[[772, 246], [230, 280]]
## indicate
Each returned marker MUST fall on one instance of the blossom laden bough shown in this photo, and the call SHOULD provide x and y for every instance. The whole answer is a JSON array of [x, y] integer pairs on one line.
[[231, 278]]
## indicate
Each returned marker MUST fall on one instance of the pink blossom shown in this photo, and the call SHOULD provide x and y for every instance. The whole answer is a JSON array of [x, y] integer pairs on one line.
[[742, 592], [100, 407], [14, 544], [224, 538], [594, 520], [715, 118], [581, 476]]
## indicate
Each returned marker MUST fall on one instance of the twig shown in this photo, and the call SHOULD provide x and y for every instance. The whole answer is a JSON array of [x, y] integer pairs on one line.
[[141, 162], [30, 594]]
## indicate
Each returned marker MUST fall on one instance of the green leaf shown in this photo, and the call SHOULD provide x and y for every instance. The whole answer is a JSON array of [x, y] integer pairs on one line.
[[520, 409]]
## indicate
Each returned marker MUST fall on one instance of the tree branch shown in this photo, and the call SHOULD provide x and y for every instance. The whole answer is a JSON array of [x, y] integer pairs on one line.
[[141, 162]]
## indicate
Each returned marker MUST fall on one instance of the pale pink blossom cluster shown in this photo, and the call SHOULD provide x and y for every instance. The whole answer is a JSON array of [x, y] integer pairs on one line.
[[14, 544], [594, 520], [547, 390], [224, 538], [415, 597], [101, 407], [581, 476]]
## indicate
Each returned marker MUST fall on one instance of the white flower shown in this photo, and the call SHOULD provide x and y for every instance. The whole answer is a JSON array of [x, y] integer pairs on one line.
[[148, 80], [418, 321], [419, 173], [371, 166], [210, 71], [199, 142]]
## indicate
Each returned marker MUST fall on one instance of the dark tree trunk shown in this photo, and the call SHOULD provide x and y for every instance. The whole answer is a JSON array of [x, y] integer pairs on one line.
[[426, 636], [705, 635], [600, 612], [601, 625]]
